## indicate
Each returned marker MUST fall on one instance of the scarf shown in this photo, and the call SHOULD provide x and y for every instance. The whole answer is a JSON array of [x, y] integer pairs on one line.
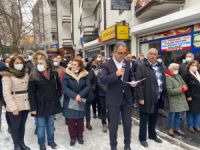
[[17, 73], [196, 75]]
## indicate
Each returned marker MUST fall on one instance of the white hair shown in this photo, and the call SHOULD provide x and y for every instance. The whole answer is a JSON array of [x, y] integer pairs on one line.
[[172, 66], [151, 50]]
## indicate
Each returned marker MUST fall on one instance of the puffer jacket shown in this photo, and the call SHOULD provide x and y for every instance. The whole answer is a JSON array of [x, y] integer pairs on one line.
[[11, 87]]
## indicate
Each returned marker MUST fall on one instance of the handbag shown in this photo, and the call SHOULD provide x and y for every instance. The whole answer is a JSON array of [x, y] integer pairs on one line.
[[73, 104]]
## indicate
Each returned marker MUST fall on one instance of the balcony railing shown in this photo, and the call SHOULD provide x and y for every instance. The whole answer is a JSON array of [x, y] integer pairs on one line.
[[66, 19], [67, 42], [156, 8]]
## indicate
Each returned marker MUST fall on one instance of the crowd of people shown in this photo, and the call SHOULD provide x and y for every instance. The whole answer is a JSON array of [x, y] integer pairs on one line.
[[46, 86]]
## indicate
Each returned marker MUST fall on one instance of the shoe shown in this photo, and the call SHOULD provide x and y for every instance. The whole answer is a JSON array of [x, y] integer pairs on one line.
[[94, 116], [191, 130], [88, 125], [127, 147], [43, 147], [197, 129], [72, 142], [24, 147], [53, 145], [105, 128], [179, 132], [17, 147], [144, 143], [80, 141], [157, 140], [171, 132], [35, 132]]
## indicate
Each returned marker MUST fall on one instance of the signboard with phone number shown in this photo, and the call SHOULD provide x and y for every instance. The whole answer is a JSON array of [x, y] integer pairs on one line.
[[179, 43]]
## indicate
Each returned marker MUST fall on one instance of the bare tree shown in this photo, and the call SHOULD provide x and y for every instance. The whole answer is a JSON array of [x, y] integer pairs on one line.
[[14, 28]]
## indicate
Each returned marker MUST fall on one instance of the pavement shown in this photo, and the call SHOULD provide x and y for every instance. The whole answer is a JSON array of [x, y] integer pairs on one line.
[[189, 138]]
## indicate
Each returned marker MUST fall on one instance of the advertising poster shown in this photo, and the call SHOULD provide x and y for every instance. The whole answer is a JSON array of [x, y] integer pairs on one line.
[[179, 43], [197, 40]]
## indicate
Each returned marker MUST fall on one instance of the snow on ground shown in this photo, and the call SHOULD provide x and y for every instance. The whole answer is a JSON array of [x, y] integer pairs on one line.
[[94, 140]]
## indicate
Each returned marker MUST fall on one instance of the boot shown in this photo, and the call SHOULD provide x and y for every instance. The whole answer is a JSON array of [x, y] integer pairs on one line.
[[88, 125], [72, 142], [43, 147], [105, 128], [24, 147], [17, 147]]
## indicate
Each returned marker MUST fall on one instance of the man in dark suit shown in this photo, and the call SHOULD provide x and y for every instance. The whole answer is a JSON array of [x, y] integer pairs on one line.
[[151, 95], [114, 74]]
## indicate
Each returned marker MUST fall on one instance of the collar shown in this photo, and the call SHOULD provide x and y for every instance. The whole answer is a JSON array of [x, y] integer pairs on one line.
[[117, 62], [152, 63]]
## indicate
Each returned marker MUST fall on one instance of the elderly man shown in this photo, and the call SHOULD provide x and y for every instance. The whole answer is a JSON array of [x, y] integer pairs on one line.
[[115, 73], [150, 94]]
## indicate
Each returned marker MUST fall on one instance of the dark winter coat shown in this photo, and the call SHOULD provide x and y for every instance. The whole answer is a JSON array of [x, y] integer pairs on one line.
[[194, 91], [116, 89], [72, 86], [148, 89], [93, 81], [102, 88], [2, 68], [44, 94]]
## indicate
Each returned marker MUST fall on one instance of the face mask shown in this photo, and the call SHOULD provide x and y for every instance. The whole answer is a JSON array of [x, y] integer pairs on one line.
[[159, 60], [75, 71], [7, 65], [69, 65], [18, 67], [55, 64], [188, 59], [29, 57], [98, 59], [193, 68], [175, 72], [41, 68]]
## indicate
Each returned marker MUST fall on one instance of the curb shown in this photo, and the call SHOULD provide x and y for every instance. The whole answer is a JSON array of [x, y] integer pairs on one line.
[[169, 138]]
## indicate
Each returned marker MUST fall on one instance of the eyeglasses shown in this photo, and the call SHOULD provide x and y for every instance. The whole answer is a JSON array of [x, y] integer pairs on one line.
[[121, 53]]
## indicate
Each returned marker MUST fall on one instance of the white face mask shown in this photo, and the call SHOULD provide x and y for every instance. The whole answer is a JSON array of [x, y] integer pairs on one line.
[[193, 68], [18, 67], [69, 65], [159, 60], [98, 59], [7, 65], [188, 59], [41, 68], [175, 72], [55, 63]]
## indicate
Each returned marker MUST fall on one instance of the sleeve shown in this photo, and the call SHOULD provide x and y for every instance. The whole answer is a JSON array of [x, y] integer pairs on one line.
[[139, 88], [84, 92], [105, 77], [67, 91], [2, 66], [58, 84], [170, 88], [32, 94], [7, 89]]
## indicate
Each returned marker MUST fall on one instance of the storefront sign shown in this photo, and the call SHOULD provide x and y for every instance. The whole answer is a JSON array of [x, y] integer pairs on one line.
[[119, 32], [197, 40], [108, 34], [122, 32], [121, 4], [174, 32], [180, 43], [197, 27]]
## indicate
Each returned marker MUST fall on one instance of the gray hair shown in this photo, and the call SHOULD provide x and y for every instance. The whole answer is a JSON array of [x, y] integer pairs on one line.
[[118, 44], [172, 65]]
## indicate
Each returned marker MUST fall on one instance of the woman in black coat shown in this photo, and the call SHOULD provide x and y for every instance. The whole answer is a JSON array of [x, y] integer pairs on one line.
[[192, 79], [44, 93]]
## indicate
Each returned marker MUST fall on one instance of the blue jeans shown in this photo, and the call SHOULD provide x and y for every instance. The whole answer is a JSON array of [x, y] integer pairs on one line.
[[48, 123], [193, 119], [174, 120]]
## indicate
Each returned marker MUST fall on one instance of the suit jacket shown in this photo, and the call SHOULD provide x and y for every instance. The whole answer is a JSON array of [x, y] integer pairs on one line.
[[116, 89]]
